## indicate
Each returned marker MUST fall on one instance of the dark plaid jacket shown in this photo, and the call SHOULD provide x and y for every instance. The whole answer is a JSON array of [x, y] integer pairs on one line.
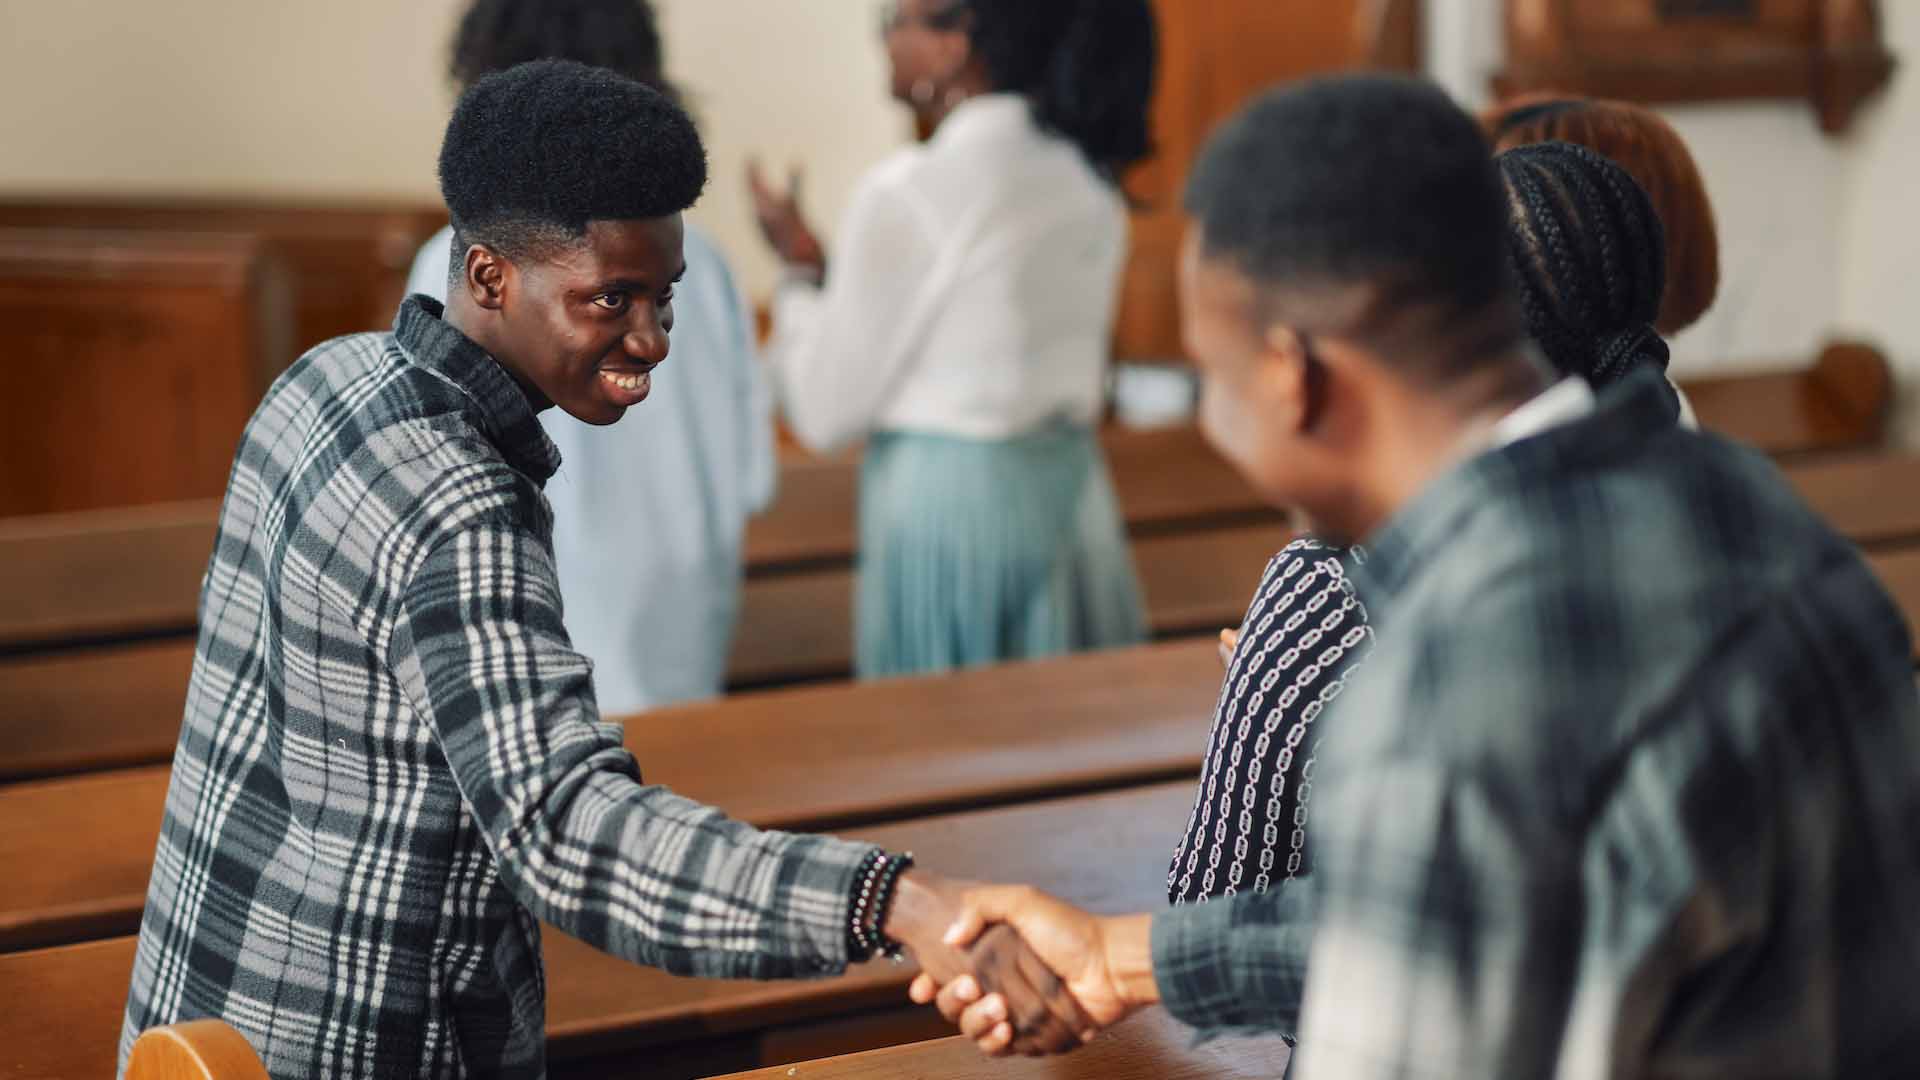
[[391, 764], [1629, 786]]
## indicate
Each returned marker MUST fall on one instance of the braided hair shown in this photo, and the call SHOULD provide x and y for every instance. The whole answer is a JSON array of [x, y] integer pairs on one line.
[[1589, 260]]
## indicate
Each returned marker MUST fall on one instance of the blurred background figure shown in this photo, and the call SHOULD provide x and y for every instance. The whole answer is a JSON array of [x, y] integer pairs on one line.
[[964, 328], [649, 514], [1639, 141], [1589, 263]]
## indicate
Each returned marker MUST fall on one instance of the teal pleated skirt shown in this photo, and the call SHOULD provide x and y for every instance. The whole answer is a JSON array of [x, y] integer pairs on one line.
[[974, 551]]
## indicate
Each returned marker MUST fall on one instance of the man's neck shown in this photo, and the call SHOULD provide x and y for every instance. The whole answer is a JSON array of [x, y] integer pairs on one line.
[[1423, 432]]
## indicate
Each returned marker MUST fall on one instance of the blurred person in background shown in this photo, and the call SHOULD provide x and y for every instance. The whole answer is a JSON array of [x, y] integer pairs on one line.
[[649, 515], [1640, 141], [963, 330]]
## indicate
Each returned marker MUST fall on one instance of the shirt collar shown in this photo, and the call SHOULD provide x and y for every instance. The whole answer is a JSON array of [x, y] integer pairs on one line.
[[1563, 402], [984, 115], [499, 407], [1560, 431]]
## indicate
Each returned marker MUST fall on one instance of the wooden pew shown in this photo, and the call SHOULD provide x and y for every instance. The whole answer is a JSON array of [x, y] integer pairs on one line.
[[133, 362], [346, 263], [194, 1050], [1840, 403], [126, 586], [130, 581], [610, 1018], [779, 760], [1149, 1046]]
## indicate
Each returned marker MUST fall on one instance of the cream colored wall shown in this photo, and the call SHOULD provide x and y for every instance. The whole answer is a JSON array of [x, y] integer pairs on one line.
[[348, 98]]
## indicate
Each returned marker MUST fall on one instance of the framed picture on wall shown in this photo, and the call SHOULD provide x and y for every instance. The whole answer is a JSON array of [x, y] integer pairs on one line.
[[1827, 52]]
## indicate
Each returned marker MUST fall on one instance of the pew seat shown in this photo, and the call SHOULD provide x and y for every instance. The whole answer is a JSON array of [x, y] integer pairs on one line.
[[807, 758], [606, 1017], [1149, 1046]]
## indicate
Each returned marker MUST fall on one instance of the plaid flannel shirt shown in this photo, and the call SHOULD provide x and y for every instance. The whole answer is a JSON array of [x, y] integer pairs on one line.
[[1630, 786], [391, 763]]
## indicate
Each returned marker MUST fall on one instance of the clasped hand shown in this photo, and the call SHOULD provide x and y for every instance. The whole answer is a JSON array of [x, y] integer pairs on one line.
[[1036, 977]]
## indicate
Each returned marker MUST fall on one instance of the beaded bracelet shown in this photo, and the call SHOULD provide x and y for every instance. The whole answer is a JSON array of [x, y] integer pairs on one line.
[[876, 941], [868, 875]]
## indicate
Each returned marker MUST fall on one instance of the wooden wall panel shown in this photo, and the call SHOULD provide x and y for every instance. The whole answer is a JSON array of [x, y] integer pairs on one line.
[[1213, 57], [131, 362]]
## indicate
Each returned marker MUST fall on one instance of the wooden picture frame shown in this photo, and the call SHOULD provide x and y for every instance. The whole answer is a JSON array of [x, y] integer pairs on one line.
[[1827, 52]]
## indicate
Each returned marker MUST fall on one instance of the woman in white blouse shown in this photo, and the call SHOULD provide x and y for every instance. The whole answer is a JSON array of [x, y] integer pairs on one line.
[[964, 329]]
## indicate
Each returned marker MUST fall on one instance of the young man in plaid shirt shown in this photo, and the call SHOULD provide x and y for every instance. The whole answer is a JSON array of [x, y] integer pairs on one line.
[[1630, 785], [391, 767]]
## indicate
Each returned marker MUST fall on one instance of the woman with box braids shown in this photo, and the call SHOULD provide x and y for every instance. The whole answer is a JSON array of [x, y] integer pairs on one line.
[[1589, 260]]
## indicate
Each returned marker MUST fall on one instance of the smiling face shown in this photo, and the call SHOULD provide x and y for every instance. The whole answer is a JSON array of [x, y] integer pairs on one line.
[[583, 327]]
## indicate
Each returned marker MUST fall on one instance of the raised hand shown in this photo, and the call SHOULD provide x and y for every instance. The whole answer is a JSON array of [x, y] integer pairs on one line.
[[782, 222], [1040, 1016], [1105, 964]]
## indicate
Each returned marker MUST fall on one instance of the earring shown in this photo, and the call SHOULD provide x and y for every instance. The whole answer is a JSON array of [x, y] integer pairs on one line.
[[922, 92]]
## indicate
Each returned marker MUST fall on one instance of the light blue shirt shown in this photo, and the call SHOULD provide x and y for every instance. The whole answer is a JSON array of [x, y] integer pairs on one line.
[[649, 513]]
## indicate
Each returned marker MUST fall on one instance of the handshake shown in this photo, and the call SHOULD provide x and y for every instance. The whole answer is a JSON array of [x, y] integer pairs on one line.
[[1017, 970]]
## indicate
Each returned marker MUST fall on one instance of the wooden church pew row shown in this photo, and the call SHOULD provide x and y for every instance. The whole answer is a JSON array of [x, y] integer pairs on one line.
[[1150, 1046], [198, 316], [110, 706], [1840, 403], [800, 626], [807, 758], [115, 705], [606, 1017]]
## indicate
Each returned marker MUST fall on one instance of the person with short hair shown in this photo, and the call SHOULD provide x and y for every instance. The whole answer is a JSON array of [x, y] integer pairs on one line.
[[963, 331], [392, 767], [1629, 783], [657, 622], [1588, 270]]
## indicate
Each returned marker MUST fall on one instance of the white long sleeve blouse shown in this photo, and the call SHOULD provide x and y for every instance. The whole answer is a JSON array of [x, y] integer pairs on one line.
[[972, 290]]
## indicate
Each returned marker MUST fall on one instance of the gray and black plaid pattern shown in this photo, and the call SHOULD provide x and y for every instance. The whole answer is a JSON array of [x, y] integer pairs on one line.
[[391, 766], [1629, 786]]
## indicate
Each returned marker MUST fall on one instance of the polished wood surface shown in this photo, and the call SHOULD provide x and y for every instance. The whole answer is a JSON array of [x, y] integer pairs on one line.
[[1149, 1046], [806, 758], [1839, 403], [103, 573], [1105, 851], [132, 362], [1215, 56], [194, 1050], [346, 263]]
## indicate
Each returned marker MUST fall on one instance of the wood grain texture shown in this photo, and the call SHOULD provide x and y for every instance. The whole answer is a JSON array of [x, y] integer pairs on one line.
[[133, 361], [805, 758], [1150, 1046], [1107, 851]]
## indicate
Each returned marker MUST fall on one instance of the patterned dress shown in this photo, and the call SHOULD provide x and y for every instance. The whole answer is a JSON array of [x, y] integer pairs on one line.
[[1304, 635]]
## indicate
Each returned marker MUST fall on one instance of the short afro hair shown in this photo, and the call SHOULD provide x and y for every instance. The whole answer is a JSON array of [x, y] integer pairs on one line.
[[1361, 180], [535, 152], [621, 35]]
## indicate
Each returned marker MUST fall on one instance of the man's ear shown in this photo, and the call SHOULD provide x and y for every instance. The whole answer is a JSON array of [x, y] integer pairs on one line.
[[1288, 378], [486, 276]]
